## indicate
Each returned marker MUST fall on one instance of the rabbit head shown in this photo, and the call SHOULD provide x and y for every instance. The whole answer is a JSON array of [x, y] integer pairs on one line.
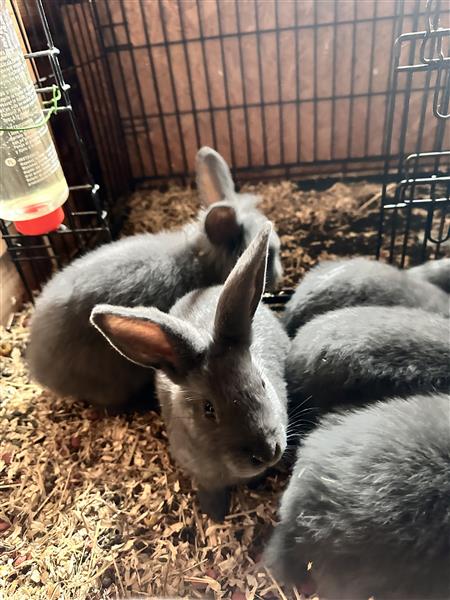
[[232, 220], [224, 418]]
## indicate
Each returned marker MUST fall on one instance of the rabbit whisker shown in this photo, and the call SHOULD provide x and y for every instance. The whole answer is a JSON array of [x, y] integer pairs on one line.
[[297, 406]]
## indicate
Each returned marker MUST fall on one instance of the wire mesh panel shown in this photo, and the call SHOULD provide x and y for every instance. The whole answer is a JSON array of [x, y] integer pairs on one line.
[[279, 88], [418, 209]]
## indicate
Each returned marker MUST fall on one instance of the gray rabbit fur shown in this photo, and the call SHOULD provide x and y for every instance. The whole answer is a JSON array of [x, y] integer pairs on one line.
[[363, 353], [360, 281], [436, 272], [65, 352], [220, 384], [368, 505]]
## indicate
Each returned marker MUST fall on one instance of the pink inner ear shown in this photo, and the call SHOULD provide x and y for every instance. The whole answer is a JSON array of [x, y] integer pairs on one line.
[[221, 225], [210, 195], [142, 341]]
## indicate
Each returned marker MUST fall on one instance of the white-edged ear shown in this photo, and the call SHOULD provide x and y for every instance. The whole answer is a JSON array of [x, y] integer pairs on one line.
[[214, 181], [242, 292], [150, 338]]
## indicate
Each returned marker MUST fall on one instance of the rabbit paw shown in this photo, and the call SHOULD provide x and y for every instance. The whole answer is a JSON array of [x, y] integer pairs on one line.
[[215, 503]]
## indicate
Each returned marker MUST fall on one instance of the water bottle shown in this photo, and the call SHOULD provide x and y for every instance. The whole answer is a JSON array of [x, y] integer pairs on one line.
[[32, 184]]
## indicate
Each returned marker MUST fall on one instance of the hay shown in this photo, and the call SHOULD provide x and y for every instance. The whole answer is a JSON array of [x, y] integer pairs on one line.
[[91, 506]]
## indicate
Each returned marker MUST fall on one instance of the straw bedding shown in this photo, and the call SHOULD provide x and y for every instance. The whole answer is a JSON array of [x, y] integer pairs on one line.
[[91, 506]]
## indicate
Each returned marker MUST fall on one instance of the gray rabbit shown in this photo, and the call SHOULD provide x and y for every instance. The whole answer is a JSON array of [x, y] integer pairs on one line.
[[363, 353], [367, 512], [436, 272], [360, 281], [65, 352], [221, 386]]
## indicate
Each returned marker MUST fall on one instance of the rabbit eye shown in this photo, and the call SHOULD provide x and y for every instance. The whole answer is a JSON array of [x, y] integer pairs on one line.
[[263, 383], [209, 411]]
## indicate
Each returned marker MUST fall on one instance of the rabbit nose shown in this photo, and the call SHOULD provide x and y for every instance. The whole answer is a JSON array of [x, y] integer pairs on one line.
[[266, 453], [256, 461], [277, 452]]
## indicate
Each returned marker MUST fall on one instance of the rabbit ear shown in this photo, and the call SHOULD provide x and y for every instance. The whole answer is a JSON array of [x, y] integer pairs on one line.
[[242, 292], [214, 181], [150, 338], [222, 227]]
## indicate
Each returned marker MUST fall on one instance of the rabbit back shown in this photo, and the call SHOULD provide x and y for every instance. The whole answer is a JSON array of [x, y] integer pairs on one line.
[[367, 504], [359, 354], [65, 352], [356, 282]]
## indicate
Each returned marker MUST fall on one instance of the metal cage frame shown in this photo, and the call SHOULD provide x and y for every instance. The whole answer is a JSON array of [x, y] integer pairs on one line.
[[422, 178], [93, 216]]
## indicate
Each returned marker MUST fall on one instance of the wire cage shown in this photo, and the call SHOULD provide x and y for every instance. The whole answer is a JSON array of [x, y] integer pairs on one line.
[[303, 90], [421, 58]]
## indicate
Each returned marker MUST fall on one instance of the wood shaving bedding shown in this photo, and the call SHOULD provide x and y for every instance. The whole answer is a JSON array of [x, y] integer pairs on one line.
[[91, 506]]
